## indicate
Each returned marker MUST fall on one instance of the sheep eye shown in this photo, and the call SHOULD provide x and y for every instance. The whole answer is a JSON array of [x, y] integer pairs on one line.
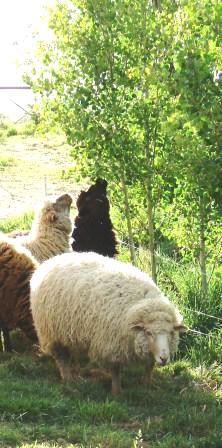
[[149, 333]]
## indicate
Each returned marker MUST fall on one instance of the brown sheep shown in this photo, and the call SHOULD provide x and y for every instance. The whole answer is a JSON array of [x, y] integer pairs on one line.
[[16, 267], [19, 255]]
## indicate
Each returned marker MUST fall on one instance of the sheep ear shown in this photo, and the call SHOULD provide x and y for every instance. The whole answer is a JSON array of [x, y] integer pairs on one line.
[[181, 328], [141, 327], [52, 217], [138, 327]]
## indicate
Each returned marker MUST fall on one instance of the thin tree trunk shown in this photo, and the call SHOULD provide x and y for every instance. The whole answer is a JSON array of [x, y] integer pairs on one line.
[[203, 270], [151, 231], [128, 219], [150, 214], [156, 3]]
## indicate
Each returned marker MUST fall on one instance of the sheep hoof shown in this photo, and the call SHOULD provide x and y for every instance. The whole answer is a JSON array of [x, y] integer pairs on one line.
[[148, 381], [65, 372], [116, 390]]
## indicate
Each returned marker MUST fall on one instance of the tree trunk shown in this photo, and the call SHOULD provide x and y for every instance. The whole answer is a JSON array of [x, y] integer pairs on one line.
[[129, 226], [204, 285], [151, 230], [156, 3]]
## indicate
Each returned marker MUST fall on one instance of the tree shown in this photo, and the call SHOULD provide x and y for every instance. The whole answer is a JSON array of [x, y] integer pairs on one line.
[[127, 82], [195, 124]]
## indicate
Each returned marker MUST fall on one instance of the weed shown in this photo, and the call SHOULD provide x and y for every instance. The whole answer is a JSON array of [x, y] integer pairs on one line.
[[5, 162], [11, 132]]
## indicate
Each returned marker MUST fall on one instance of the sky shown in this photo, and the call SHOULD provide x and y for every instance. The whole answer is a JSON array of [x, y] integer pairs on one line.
[[18, 20]]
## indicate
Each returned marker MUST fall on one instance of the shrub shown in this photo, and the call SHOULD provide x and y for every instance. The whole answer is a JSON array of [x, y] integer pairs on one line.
[[28, 128], [11, 132], [5, 162]]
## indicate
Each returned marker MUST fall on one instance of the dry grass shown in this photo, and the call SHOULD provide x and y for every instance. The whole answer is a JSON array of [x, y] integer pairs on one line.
[[30, 169]]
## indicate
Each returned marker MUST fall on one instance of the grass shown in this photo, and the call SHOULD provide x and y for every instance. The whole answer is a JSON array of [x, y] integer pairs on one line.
[[17, 222], [6, 162], [182, 408], [33, 167]]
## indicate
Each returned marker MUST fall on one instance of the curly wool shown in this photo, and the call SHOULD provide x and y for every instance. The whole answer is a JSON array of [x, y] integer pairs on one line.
[[92, 303], [51, 230], [16, 268]]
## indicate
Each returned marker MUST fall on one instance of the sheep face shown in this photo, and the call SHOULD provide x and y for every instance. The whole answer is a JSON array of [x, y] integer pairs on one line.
[[159, 343], [57, 213]]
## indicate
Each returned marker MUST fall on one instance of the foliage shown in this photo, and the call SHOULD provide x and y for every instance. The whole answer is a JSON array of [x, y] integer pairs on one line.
[[27, 128], [203, 315], [133, 86]]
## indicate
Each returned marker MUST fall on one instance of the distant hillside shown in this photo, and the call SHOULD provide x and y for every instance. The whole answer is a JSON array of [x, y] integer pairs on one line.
[[30, 169]]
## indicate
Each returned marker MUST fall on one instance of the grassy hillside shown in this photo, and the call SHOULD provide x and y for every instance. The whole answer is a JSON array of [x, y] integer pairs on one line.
[[31, 168]]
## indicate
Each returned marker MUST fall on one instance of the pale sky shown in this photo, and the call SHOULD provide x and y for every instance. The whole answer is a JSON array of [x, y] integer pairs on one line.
[[18, 20]]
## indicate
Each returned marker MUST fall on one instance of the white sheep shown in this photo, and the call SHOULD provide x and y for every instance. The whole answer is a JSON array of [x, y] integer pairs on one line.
[[85, 302], [51, 230]]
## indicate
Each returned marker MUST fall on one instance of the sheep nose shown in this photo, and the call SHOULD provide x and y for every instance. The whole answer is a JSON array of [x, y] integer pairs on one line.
[[163, 361]]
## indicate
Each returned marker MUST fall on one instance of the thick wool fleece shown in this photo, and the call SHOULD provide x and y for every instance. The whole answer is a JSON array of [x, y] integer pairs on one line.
[[51, 231], [93, 229], [16, 268], [92, 303]]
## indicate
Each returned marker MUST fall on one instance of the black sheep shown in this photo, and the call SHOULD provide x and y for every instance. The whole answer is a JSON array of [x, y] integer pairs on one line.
[[93, 229]]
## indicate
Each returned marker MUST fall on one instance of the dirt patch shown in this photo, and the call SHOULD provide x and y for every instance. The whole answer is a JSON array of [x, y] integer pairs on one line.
[[32, 169]]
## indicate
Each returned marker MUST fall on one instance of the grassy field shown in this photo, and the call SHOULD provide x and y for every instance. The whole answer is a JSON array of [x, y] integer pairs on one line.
[[182, 408]]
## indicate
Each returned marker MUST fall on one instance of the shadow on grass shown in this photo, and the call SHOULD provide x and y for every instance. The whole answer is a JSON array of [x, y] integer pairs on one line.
[[181, 408]]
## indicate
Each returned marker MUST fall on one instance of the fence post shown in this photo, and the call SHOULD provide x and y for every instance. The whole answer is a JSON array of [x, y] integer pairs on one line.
[[45, 185]]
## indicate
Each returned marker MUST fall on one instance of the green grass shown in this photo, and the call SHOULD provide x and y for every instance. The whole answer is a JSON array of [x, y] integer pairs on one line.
[[14, 222], [11, 132], [182, 408], [6, 162]]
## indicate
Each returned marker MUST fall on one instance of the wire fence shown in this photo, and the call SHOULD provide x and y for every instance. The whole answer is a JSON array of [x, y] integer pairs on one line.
[[190, 310]]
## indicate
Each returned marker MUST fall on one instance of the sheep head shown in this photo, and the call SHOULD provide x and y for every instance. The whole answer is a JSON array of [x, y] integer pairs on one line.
[[155, 325], [55, 213], [62, 204], [94, 202], [158, 339]]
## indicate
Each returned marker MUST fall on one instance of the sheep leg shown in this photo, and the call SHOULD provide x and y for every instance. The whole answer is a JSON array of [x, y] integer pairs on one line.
[[5, 339], [63, 358], [147, 379], [116, 381], [1, 341]]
